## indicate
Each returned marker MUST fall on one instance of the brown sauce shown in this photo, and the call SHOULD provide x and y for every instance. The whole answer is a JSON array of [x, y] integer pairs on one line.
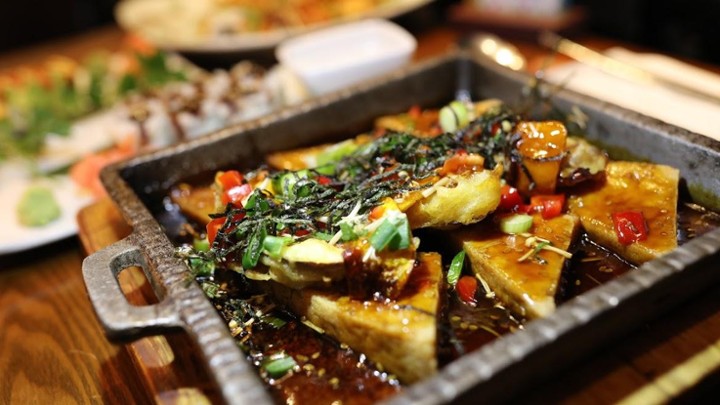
[[329, 371]]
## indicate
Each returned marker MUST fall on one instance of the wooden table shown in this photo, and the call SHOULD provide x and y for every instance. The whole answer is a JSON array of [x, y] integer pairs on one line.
[[52, 349]]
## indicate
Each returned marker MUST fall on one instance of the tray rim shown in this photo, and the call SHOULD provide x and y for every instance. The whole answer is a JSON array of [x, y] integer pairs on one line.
[[458, 374]]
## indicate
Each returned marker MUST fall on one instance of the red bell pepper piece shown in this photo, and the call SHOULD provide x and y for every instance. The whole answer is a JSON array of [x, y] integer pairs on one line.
[[510, 199], [549, 206], [466, 289], [630, 226], [229, 179], [323, 180], [213, 227], [236, 194]]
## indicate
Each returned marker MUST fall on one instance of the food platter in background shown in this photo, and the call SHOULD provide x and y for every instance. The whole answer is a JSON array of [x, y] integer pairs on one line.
[[225, 26], [61, 122]]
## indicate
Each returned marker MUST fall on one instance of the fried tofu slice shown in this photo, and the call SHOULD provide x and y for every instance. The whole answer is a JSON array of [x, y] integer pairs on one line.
[[197, 203], [401, 334], [463, 199], [632, 186], [527, 286]]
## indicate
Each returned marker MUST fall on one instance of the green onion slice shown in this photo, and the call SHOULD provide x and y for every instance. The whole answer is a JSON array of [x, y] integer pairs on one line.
[[201, 244], [336, 152], [393, 234], [251, 257], [518, 223], [456, 267], [279, 366], [454, 116], [274, 245]]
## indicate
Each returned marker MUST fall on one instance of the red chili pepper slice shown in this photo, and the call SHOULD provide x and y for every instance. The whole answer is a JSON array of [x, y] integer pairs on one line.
[[630, 226], [466, 289], [549, 206]]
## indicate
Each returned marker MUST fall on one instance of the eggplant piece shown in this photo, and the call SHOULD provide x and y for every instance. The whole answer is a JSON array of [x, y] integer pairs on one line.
[[584, 162], [524, 279], [632, 186], [400, 334]]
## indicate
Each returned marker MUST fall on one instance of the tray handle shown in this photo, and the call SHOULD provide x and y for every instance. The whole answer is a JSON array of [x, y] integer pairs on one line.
[[120, 319]]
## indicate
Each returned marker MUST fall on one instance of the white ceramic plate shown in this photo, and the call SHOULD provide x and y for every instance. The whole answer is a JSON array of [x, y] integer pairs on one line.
[[172, 25], [14, 237]]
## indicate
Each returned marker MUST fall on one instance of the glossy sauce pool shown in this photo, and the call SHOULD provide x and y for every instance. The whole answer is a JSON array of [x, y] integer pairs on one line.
[[327, 371]]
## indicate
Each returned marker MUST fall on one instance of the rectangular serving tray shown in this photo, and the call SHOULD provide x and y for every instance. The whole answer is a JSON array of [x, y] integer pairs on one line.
[[493, 373]]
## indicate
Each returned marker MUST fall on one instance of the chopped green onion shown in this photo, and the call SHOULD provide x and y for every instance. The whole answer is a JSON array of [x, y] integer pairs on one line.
[[348, 232], [274, 321], [327, 170], [392, 234], [456, 267], [201, 244], [251, 257], [518, 223], [200, 266], [284, 184], [540, 247], [274, 245], [211, 289], [336, 152], [323, 236], [279, 366], [454, 116]]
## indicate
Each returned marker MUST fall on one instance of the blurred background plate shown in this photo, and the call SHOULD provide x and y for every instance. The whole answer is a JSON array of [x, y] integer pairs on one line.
[[235, 27]]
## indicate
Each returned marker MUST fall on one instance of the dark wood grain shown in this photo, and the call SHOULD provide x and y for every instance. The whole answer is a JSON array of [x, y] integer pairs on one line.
[[52, 349]]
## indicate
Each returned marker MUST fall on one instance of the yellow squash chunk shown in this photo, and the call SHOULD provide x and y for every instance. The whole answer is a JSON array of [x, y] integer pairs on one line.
[[632, 186], [457, 199], [527, 287], [400, 335]]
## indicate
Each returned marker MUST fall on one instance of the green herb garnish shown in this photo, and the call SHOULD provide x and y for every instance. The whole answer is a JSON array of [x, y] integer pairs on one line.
[[456, 267]]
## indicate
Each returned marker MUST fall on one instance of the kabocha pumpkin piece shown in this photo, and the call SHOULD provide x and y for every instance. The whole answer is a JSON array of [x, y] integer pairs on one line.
[[524, 269], [538, 155], [643, 199], [399, 334]]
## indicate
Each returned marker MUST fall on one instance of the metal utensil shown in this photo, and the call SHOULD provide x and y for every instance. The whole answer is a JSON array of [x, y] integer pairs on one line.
[[618, 68]]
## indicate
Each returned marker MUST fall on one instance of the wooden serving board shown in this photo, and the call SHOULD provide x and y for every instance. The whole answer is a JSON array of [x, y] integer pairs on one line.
[[675, 357]]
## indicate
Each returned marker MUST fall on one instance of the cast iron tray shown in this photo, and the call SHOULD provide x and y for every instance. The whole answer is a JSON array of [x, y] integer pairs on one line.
[[495, 371]]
